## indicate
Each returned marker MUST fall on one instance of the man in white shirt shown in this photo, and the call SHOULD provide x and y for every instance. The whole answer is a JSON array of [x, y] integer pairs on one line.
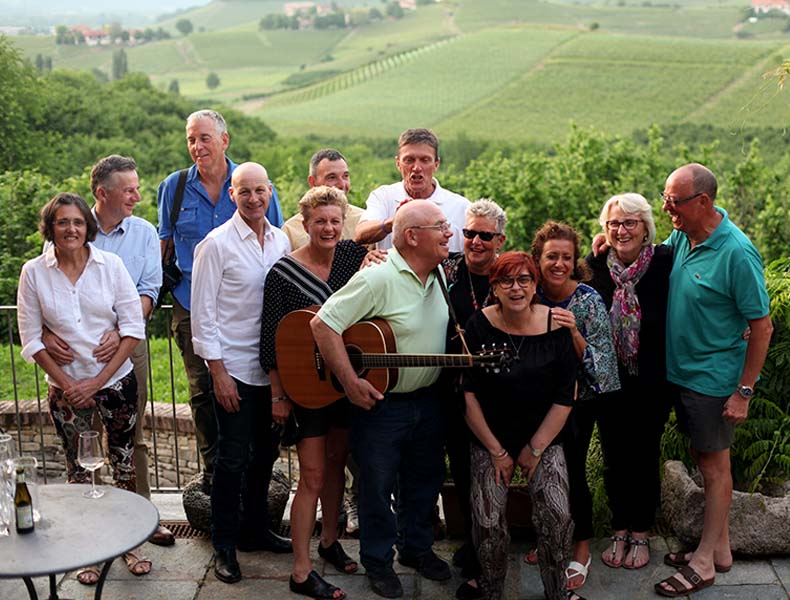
[[230, 268], [417, 161]]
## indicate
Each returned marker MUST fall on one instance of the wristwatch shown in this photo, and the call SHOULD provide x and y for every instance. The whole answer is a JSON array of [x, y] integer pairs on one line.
[[746, 391], [535, 451]]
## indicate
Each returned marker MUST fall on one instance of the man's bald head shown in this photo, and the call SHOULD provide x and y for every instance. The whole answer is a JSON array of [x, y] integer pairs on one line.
[[414, 212], [701, 178], [248, 170]]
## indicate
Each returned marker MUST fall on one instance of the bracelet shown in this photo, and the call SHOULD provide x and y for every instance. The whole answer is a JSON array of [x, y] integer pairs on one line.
[[384, 227], [502, 454], [276, 399]]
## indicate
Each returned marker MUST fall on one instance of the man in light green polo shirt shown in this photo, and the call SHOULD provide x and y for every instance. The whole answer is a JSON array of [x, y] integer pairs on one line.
[[716, 288], [397, 436]]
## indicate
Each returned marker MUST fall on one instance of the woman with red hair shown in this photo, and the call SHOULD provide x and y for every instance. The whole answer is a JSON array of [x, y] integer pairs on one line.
[[516, 415]]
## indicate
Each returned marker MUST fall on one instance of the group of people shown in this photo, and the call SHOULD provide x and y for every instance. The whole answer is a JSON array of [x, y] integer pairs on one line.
[[615, 338]]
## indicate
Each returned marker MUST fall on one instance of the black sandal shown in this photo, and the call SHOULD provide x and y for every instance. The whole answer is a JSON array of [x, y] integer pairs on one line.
[[337, 557], [315, 587]]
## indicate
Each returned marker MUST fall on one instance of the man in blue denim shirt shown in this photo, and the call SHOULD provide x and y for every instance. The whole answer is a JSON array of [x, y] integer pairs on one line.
[[206, 204]]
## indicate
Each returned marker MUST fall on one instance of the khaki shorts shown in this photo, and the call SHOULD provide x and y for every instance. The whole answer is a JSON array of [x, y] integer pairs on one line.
[[700, 417]]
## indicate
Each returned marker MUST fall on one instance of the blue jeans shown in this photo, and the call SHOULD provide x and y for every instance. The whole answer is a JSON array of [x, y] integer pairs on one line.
[[242, 467], [398, 440]]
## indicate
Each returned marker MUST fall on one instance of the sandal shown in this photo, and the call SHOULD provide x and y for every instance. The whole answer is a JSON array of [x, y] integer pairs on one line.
[[137, 565], [680, 588], [572, 595], [531, 557], [576, 569], [89, 575], [316, 587], [612, 562], [633, 549], [337, 557], [678, 559], [467, 591]]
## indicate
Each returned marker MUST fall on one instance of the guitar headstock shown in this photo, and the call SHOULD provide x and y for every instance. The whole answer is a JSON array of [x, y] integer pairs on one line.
[[495, 359]]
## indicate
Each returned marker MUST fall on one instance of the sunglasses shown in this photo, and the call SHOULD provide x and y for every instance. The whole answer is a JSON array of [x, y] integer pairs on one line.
[[485, 236]]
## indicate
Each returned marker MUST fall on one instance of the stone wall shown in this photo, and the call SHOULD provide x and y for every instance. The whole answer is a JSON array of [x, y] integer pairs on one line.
[[169, 434]]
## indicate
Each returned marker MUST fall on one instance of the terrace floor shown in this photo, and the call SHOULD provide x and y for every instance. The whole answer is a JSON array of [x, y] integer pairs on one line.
[[184, 572]]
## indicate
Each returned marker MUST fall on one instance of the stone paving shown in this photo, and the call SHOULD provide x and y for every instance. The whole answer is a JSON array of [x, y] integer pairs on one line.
[[184, 572]]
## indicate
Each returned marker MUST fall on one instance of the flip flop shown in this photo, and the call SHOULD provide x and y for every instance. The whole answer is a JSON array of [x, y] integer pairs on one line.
[[337, 557], [613, 552], [679, 561], [575, 569], [316, 587], [679, 588], [89, 575], [134, 561], [633, 548]]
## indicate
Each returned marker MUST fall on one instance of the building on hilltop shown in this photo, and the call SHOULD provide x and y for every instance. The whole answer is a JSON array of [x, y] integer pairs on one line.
[[294, 8], [766, 6]]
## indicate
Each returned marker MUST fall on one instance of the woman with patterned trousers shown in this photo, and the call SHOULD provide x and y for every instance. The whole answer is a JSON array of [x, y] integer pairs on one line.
[[79, 293], [516, 415]]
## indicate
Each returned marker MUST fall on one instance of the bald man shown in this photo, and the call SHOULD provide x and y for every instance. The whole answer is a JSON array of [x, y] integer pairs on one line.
[[716, 288], [397, 435], [230, 268]]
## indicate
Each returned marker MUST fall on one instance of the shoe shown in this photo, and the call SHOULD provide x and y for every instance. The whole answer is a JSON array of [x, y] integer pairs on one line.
[[609, 557], [531, 557], [352, 519], [576, 569], [468, 592], [162, 537], [461, 557], [316, 587], [572, 595], [385, 583], [428, 565], [679, 588], [226, 567], [268, 541], [89, 575], [137, 565], [633, 550], [678, 559], [337, 557]]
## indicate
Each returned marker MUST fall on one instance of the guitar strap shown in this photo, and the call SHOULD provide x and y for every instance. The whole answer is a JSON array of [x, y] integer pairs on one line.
[[458, 329]]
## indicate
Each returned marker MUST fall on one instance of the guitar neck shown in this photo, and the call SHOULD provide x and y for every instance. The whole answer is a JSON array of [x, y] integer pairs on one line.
[[397, 361]]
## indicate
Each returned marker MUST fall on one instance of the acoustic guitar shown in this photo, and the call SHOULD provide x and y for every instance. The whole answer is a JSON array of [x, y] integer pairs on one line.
[[372, 349]]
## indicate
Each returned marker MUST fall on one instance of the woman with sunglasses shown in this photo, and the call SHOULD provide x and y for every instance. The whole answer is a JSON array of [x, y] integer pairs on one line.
[[516, 415], [470, 290], [580, 309], [633, 280]]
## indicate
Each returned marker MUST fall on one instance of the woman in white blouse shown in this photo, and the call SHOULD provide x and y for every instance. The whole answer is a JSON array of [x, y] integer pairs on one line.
[[80, 292]]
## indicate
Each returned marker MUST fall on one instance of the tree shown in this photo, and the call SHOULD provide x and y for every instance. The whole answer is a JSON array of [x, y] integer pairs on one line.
[[173, 88], [212, 81], [120, 66], [184, 26], [39, 64], [395, 10], [48, 64]]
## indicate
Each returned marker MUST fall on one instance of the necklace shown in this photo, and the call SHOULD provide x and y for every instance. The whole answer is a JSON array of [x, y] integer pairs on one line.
[[475, 304], [516, 349]]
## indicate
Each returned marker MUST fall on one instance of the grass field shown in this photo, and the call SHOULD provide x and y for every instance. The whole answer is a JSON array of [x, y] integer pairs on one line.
[[503, 69]]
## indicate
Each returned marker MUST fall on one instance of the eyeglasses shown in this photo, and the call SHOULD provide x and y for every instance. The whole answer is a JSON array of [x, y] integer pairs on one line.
[[629, 224], [670, 202], [508, 282], [444, 226], [78, 223], [485, 236]]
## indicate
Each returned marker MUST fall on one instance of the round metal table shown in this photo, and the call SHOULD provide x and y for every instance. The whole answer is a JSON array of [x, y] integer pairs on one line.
[[76, 532]]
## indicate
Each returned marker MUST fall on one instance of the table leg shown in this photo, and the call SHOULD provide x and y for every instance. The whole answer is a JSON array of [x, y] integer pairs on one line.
[[31, 589], [100, 584]]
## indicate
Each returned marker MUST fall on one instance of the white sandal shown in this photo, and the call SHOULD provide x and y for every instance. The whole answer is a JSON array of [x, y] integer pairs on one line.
[[575, 569]]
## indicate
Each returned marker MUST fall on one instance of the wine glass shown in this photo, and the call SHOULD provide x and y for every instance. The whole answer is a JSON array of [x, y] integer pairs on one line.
[[91, 458], [6, 482]]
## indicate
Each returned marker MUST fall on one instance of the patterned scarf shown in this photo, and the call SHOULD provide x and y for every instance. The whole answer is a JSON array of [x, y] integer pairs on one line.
[[625, 314]]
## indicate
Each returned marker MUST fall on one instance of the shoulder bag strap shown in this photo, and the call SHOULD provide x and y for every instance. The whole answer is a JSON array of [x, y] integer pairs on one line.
[[458, 329]]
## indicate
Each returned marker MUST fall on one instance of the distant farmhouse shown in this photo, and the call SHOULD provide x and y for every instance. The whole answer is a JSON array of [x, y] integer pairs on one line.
[[766, 6]]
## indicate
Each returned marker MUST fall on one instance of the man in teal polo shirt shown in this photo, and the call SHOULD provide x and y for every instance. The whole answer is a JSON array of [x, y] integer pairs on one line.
[[716, 289], [397, 436]]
